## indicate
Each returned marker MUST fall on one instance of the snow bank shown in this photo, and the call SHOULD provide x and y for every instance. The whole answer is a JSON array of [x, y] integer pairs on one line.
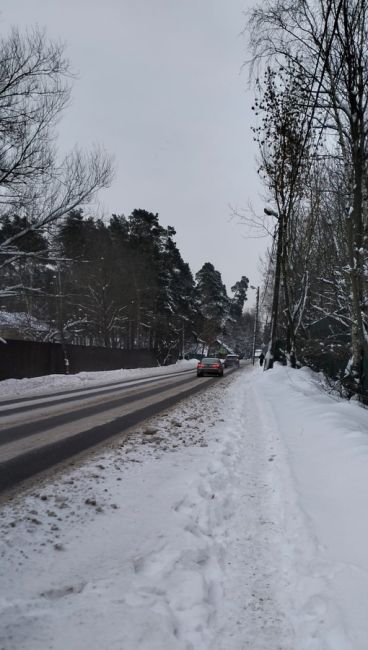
[[326, 441], [50, 383], [236, 521]]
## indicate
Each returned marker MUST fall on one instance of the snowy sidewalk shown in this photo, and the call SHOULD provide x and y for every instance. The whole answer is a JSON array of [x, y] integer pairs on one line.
[[238, 524]]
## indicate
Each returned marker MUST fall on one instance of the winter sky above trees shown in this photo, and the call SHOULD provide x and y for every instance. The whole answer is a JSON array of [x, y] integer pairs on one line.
[[160, 87]]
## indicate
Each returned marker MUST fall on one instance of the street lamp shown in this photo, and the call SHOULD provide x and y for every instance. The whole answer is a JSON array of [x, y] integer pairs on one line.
[[255, 324]]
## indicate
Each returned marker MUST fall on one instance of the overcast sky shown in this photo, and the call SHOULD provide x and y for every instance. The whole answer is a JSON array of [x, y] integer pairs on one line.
[[160, 87]]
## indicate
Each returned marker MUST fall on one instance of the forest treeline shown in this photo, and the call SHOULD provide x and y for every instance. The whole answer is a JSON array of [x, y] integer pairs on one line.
[[310, 65], [120, 284]]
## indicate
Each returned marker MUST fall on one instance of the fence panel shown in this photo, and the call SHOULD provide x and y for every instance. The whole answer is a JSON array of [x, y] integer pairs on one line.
[[19, 359]]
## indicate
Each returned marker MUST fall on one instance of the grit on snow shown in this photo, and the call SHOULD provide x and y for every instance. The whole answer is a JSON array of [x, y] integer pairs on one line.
[[236, 520]]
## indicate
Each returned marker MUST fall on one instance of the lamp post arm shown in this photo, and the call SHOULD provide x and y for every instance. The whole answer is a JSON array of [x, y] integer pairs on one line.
[[271, 213]]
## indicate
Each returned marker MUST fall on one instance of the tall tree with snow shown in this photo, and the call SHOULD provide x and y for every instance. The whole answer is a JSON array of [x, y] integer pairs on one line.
[[213, 303]]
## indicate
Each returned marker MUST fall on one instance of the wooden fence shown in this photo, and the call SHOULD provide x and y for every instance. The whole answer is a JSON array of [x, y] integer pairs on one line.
[[19, 359]]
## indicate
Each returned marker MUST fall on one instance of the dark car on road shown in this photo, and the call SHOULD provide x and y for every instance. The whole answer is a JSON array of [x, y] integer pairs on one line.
[[231, 360], [210, 366]]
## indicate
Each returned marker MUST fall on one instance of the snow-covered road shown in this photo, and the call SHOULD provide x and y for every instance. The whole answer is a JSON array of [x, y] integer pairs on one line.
[[233, 521]]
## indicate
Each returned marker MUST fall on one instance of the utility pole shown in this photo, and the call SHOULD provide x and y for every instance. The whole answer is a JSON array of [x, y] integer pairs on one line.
[[61, 321], [255, 325], [270, 356]]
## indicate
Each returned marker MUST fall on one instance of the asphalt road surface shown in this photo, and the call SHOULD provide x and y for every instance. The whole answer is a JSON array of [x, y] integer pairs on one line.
[[39, 432]]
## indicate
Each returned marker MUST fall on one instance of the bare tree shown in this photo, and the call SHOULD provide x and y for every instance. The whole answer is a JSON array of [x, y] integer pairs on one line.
[[284, 142], [34, 89], [329, 38], [34, 183]]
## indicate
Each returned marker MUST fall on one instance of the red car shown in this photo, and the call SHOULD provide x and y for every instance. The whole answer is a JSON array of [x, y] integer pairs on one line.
[[210, 366]]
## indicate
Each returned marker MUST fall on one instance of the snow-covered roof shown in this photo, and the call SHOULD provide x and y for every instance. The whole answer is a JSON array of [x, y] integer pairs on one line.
[[19, 319]]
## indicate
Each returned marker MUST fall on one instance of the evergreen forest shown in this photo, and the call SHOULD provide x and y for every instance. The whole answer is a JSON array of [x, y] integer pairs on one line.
[[122, 284]]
